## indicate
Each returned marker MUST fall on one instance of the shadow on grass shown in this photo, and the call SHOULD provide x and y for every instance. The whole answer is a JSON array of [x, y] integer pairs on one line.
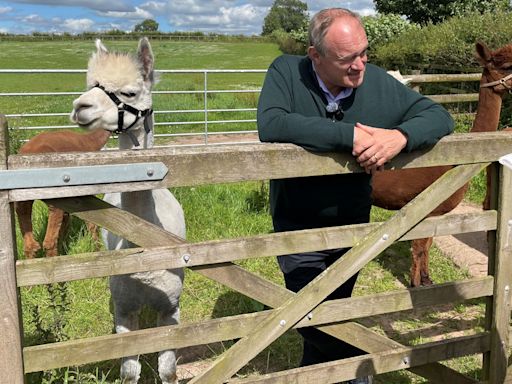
[[397, 260]]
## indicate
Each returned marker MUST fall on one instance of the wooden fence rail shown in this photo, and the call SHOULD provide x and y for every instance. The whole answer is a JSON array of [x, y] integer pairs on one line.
[[469, 153]]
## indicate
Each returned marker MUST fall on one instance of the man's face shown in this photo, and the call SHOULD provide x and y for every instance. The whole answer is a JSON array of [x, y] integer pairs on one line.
[[344, 62]]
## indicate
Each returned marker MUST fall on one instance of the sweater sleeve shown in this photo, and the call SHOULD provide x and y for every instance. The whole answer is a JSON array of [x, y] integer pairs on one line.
[[288, 112], [424, 123]]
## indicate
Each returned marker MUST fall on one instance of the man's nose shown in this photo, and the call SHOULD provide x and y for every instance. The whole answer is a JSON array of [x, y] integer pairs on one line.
[[359, 63]]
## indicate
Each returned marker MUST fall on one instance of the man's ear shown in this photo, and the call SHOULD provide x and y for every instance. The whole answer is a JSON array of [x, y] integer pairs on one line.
[[313, 54]]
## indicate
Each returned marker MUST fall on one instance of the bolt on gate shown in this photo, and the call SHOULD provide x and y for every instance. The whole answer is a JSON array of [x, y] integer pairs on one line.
[[469, 153]]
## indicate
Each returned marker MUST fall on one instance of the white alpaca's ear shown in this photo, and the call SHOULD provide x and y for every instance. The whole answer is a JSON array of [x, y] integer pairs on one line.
[[397, 75], [100, 48], [145, 55]]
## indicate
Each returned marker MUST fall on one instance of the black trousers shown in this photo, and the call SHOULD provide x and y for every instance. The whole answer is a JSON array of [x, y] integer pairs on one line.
[[299, 270]]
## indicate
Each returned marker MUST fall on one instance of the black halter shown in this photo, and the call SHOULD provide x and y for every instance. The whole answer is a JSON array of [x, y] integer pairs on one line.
[[121, 109]]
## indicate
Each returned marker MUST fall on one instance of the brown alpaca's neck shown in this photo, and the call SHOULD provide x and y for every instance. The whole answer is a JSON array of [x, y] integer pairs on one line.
[[96, 139], [489, 107]]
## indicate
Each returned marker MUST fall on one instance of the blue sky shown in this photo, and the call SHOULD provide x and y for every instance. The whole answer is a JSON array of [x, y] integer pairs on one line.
[[219, 16]]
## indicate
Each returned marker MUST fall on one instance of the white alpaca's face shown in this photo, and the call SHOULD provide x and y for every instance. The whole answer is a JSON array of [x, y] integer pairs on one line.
[[128, 78]]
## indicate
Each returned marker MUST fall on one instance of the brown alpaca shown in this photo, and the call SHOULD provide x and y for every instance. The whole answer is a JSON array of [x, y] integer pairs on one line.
[[62, 141], [392, 189]]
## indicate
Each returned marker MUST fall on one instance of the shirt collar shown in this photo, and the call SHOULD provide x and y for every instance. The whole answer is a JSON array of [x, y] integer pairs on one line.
[[346, 92]]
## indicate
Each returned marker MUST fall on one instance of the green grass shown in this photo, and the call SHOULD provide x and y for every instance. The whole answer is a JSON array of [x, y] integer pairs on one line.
[[168, 55]]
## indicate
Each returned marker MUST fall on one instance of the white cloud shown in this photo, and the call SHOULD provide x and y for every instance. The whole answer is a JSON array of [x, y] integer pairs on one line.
[[362, 7], [139, 13], [216, 16], [155, 6], [99, 5], [33, 19], [77, 25], [4, 10]]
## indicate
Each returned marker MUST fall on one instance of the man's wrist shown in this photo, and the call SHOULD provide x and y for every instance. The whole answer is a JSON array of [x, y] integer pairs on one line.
[[404, 135]]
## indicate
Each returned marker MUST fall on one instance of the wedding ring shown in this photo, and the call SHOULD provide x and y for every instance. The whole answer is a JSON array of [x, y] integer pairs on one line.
[[375, 159]]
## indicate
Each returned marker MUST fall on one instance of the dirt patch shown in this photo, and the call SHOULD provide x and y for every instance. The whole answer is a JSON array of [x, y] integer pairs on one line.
[[212, 138]]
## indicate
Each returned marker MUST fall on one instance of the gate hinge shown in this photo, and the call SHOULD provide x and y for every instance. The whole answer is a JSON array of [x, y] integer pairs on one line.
[[95, 174]]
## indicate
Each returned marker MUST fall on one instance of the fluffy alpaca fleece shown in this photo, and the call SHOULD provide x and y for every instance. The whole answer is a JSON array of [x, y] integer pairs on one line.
[[114, 71], [131, 78]]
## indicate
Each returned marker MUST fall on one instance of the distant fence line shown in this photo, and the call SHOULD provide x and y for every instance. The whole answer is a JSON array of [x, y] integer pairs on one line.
[[130, 36], [206, 109]]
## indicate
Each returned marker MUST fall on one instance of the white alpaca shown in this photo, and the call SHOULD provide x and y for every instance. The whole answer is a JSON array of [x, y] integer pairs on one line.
[[115, 78]]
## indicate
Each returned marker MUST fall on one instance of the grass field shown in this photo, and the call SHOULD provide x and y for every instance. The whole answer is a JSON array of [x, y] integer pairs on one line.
[[168, 55], [83, 309]]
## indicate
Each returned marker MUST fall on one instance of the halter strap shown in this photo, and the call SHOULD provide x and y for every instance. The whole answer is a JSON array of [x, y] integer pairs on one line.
[[121, 109], [502, 81]]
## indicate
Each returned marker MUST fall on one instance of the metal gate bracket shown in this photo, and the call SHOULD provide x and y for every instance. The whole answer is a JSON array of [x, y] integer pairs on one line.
[[96, 174]]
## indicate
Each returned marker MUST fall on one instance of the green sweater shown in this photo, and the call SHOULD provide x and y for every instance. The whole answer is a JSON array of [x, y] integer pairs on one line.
[[291, 109]]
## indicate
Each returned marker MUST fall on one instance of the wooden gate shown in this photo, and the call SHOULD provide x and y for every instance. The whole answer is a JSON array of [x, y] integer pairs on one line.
[[160, 249]]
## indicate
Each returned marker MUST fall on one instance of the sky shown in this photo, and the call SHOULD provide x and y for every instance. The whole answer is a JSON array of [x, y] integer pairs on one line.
[[214, 16]]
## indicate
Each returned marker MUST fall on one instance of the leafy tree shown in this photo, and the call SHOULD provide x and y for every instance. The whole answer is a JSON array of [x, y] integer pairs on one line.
[[383, 28], [425, 11], [148, 25], [286, 15]]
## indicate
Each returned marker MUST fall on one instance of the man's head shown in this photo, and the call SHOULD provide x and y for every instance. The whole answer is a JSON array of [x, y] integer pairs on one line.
[[337, 48]]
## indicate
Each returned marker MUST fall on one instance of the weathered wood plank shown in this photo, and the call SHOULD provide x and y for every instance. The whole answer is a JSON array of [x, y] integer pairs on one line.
[[500, 320], [372, 342], [11, 359], [230, 163], [454, 98], [339, 272], [377, 363], [94, 210], [442, 77], [424, 297], [493, 170], [100, 264], [68, 353]]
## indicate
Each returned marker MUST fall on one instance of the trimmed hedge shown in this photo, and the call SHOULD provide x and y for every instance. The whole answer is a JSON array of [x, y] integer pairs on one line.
[[447, 47]]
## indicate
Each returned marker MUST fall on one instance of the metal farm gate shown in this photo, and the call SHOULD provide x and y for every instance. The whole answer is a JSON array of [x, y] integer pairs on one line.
[[190, 166]]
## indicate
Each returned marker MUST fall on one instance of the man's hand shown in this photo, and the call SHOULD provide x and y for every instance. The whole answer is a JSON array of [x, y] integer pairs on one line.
[[373, 147]]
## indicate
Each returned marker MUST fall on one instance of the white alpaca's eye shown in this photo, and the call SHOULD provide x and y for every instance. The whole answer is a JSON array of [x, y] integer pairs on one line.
[[128, 94]]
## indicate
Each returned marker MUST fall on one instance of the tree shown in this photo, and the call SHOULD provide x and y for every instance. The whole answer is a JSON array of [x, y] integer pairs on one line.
[[382, 28], [286, 15], [148, 25], [425, 11]]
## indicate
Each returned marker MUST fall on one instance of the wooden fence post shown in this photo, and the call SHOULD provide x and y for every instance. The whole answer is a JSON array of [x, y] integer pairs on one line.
[[11, 361], [500, 320], [416, 87]]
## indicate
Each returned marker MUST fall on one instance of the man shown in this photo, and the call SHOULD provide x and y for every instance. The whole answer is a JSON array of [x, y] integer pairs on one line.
[[331, 101]]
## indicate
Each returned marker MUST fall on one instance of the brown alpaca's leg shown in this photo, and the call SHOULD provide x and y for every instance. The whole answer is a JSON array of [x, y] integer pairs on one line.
[[425, 271], [57, 220], [24, 212], [415, 267], [420, 269], [93, 230]]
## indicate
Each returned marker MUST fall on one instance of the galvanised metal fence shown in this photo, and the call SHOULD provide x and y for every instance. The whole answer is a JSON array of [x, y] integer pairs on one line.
[[200, 106], [206, 106]]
